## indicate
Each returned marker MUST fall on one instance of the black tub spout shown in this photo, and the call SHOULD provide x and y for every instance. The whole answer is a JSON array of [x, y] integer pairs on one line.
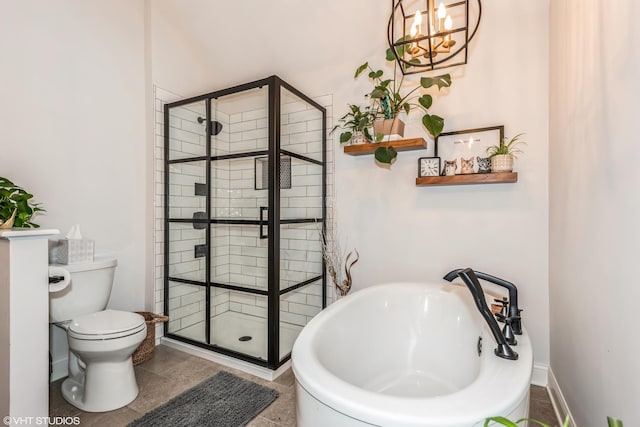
[[514, 310], [469, 278]]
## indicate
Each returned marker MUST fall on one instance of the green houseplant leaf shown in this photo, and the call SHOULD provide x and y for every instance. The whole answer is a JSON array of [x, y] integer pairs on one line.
[[386, 154], [361, 69], [14, 198], [501, 420], [426, 100], [508, 423], [345, 136], [613, 422], [433, 123], [441, 81]]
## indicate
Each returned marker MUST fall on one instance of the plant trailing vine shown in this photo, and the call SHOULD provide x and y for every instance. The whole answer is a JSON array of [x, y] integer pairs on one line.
[[390, 99]]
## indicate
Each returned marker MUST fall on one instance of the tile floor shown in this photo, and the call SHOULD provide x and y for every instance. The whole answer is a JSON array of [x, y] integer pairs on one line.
[[171, 372]]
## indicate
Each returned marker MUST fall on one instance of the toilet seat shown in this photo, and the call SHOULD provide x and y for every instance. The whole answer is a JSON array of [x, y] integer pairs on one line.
[[106, 325]]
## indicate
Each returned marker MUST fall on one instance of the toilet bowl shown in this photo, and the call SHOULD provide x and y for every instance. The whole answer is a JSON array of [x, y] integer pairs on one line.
[[101, 342]]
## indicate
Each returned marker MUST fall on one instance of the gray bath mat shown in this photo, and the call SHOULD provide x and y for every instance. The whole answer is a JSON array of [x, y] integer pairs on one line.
[[224, 400]]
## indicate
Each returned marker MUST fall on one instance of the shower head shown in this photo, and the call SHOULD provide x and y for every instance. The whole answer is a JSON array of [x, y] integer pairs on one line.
[[215, 126]]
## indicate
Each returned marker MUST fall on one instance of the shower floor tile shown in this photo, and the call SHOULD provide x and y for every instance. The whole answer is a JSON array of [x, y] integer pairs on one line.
[[227, 329], [171, 372]]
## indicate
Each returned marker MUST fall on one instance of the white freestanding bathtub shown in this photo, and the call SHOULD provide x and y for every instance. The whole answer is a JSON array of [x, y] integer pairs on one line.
[[406, 354]]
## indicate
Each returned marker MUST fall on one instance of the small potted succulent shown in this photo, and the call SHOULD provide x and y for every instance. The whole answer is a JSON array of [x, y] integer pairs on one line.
[[16, 209], [502, 155], [355, 125]]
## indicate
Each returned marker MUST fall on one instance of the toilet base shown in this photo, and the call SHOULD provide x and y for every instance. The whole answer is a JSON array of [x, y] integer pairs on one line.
[[100, 396]]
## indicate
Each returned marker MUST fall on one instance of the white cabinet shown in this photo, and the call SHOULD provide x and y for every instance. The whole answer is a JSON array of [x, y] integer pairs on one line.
[[24, 323]]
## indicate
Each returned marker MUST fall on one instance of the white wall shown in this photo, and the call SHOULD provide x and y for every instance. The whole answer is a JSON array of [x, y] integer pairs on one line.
[[594, 207], [402, 232], [72, 123]]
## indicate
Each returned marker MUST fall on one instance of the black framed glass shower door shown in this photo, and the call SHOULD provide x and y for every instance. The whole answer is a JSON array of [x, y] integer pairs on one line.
[[242, 270]]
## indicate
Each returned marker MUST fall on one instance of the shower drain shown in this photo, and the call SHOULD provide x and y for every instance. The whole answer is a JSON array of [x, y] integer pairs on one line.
[[245, 338]]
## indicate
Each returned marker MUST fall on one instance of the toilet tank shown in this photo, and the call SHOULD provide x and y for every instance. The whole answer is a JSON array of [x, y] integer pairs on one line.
[[88, 291]]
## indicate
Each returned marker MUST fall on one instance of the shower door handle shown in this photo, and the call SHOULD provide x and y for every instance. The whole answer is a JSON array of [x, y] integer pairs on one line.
[[262, 210]]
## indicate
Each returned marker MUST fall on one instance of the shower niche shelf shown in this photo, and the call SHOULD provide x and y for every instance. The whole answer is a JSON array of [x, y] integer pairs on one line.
[[400, 145], [476, 178]]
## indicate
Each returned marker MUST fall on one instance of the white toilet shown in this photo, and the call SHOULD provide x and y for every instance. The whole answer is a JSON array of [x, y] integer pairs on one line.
[[101, 342]]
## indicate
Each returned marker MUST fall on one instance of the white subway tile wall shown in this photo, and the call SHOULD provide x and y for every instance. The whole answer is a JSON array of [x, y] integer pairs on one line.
[[238, 255]]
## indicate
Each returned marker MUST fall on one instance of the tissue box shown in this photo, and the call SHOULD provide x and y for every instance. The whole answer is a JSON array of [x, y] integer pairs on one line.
[[72, 251]]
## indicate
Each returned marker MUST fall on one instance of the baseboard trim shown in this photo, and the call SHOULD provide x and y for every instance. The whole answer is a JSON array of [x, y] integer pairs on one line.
[[540, 375], [558, 401]]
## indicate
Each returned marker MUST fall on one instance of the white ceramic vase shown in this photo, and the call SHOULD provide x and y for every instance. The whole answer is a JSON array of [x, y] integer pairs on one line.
[[502, 163], [357, 138]]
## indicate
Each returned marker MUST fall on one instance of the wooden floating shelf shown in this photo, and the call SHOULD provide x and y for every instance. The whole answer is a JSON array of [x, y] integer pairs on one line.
[[399, 145], [476, 178]]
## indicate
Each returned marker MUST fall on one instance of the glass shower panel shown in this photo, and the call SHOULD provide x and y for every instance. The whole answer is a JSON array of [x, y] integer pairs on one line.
[[188, 190], [187, 308], [239, 322], [187, 131], [243, 119], [234, 194], [300, 253], [303, 199], [296, 309], [187, 252], [238, 256], [301, 126]]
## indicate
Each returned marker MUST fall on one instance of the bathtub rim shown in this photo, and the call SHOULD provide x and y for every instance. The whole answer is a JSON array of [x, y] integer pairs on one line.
[[503, 384]]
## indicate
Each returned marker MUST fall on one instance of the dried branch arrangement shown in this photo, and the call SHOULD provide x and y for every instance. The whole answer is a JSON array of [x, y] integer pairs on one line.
[[333, 259]]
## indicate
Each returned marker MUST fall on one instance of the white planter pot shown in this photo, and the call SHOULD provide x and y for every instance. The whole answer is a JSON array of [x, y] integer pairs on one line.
[[357, 138], [502, 163]]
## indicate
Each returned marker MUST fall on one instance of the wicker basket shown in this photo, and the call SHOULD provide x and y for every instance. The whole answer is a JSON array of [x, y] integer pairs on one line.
[[145, 351]]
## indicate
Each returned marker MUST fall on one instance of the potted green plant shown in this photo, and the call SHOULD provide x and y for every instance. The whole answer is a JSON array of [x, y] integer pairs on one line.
[[611, 422], [16, 210], [502, 155], [391, 98], [356, 124]]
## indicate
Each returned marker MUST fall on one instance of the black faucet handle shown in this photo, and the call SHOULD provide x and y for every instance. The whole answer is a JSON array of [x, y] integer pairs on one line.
[[508, 319], [504, 310]]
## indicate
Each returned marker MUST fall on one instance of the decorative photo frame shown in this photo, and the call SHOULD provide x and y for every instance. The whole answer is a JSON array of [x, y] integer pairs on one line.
[[428, 166], [466, 144]]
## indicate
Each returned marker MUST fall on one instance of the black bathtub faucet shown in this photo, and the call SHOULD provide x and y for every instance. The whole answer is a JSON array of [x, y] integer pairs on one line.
[[470, 279], [514, 311]]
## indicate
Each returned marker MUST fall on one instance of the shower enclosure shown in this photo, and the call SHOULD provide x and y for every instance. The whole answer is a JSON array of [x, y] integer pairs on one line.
[[245, 188]]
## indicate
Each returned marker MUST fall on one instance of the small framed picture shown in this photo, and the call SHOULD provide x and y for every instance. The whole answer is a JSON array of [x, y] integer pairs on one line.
[[469, 147], [429, 166]]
